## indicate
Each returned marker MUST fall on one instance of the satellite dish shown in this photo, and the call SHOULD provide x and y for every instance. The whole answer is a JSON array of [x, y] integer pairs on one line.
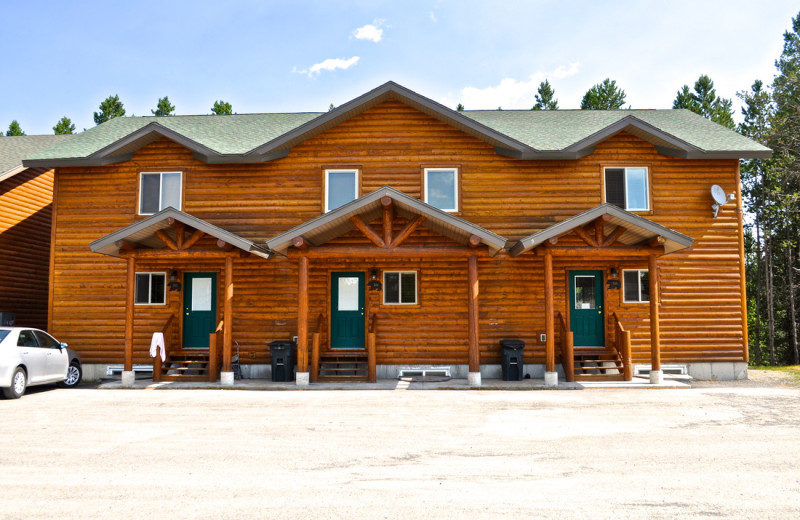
[[718, 194]]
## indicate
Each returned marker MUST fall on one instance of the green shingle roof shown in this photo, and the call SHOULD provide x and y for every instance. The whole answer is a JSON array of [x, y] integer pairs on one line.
[[14, 149], [524, 134]]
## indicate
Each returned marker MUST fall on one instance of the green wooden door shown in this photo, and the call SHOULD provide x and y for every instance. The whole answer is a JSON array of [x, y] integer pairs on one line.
[[586, 315], [347, 310], [199, 308]]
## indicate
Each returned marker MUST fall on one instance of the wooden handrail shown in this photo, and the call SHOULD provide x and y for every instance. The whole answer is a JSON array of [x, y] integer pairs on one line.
[[566, 343], [320, 320], [157, 368], [622, 344], [214, 352], [372, 327]]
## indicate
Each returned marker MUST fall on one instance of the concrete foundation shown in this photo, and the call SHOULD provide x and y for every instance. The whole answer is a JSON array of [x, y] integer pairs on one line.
[[226, 378], [656, 377], [302, 379], [474, 379], [551, 378], [128, 378]]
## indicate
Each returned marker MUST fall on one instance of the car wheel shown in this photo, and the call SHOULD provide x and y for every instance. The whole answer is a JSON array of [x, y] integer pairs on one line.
[[19, 381], [73, 376]]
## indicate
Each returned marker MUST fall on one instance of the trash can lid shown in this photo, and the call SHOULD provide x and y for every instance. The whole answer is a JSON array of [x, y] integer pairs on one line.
[[281, 343], [512, 343]]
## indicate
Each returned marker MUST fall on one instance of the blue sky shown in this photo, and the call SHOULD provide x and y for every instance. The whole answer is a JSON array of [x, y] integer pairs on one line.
[[64, 57]]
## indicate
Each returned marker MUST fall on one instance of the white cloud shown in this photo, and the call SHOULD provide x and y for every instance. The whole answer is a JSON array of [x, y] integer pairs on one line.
[[511, 93], [432, 16], [371, 32], [329, 64]]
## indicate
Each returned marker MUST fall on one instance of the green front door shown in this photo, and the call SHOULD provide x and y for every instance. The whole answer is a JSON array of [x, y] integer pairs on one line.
[[199, 308], [347, 310], [586, 316]]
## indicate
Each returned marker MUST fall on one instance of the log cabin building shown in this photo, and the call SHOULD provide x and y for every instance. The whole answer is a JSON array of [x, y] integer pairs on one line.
[[26, 197], [393, 234]]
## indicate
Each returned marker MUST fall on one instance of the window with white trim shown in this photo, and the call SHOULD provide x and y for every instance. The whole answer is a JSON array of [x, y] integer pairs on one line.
[[159, 190], [441, 188], [341, 187], [400, 287], [628, 188], [636, 285], [151, 289]]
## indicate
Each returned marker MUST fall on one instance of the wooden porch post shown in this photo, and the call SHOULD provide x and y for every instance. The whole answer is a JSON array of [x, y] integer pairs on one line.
[[302, 322], [550, 375], [226, 377], [474, 376], [128, 377], [656, 376]]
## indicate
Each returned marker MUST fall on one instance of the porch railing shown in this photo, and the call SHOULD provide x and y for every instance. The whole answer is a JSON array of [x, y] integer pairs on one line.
[[157, 364], [372, 330], [567, 348], [622, 344], [315, 345]]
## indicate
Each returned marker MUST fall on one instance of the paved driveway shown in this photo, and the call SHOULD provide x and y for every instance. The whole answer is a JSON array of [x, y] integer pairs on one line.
[[730, 451]]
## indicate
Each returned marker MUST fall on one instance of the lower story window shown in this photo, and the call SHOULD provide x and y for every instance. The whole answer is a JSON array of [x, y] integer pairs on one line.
[[151, 288], [399, 287], [636, 285]]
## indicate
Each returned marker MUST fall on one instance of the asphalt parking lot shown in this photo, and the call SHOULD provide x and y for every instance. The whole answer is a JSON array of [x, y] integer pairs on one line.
[[715, 450]]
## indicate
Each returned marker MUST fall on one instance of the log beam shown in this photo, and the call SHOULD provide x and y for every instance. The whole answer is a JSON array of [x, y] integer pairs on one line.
[[130, 292], [378, 252], [474, 292], [406, 231], [474, 241], [224, 245], [585, 237], [302, 311], [124, 245], [197, 235], [166, 239], [300, 243], [549, 317], [368, 232], [610, 239], [655, 326], [227, 316], [387, 217]]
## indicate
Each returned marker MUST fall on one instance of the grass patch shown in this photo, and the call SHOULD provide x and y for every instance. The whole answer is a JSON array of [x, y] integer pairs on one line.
[[793, 371]]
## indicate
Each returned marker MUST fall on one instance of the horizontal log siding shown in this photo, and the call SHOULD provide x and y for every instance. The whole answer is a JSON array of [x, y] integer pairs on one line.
[[25, 214], [390, 144]]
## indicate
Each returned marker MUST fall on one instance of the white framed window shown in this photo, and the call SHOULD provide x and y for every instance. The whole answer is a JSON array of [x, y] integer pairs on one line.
[[635, 285], [400, 287], [441, 188], [159, 190], [151, 289], [628, 188], [341, 187]]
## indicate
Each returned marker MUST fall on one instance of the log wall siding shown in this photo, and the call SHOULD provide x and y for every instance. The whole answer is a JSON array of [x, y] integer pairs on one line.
[[25, 214], [701, 317]]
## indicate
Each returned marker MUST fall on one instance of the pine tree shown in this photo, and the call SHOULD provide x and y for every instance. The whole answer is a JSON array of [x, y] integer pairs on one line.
[[14, 129], [64, 126], [460, 108], [704, 101], [603, 96], [164, 108], [110, 108], [545, 98], [222, 108]]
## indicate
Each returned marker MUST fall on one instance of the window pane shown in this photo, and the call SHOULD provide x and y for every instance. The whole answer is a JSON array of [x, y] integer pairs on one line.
[[170, 190], [157, 285], [201, 294], [408, 290], [143, 288], [348, 293], [644, 277], [637, 188], [584, 292], [630, 286], [391, 287], [45, 340], [615, 186], [150, 190], [442, 189], [341, 188]]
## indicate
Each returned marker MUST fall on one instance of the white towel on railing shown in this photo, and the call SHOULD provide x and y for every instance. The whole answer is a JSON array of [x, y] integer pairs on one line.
[[156, 344]]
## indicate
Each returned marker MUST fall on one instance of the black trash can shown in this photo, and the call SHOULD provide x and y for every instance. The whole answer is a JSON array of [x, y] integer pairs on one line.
[[513, 366], [283, 360]]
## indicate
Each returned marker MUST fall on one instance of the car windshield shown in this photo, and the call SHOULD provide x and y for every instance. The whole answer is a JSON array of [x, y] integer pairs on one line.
[[3, 334]]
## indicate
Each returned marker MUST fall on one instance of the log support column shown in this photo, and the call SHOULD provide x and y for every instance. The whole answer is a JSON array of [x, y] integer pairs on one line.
[[302, 378], [226, 375], [550, 374], [474, 377], [656, 375], [128, 376]]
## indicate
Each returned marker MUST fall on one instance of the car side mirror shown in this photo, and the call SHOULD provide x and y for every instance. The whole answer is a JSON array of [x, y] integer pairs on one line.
[[63, 345]]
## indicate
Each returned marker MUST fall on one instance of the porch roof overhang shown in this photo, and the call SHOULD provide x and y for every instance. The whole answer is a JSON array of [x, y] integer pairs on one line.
[[637, 230], [143, 235], [337, 222]]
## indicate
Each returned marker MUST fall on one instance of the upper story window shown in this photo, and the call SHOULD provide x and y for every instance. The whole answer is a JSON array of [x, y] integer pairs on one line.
[[151, 289], [636, 285], [628, 188], [341, 187], [159, 190], [441, 188]]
